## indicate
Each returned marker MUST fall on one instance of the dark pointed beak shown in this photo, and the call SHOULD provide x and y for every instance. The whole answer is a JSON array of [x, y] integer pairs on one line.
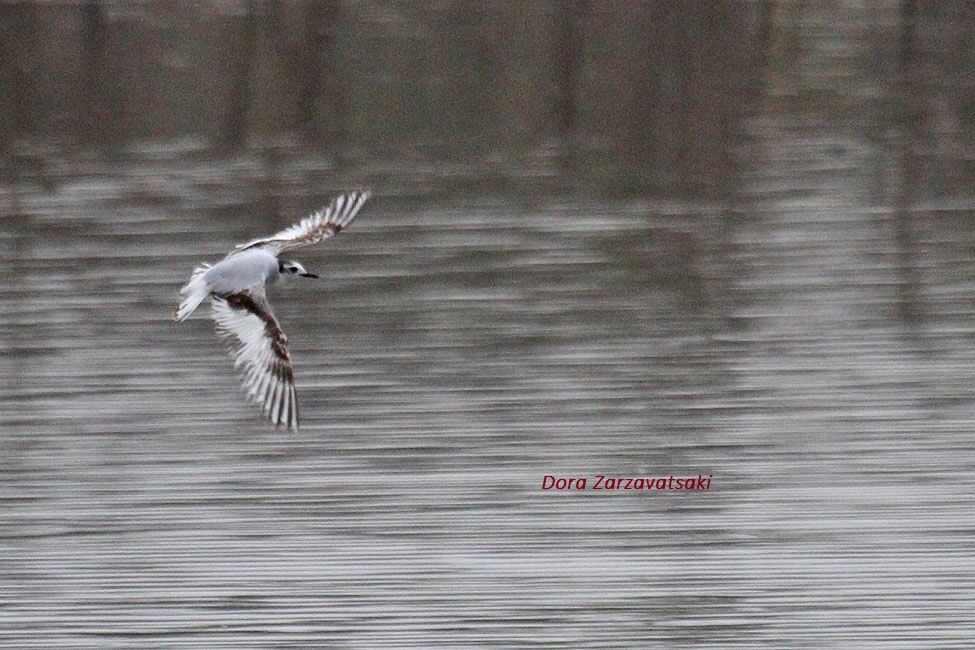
[[308, 275]]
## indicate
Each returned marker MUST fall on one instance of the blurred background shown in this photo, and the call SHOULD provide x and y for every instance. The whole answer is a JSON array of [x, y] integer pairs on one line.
[[629, 238]]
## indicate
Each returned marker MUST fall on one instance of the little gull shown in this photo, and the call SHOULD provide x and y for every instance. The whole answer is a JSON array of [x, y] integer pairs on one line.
[[242, 312]]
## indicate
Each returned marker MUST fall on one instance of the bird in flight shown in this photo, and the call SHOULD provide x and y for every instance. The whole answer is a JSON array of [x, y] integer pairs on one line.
[[243, 314]]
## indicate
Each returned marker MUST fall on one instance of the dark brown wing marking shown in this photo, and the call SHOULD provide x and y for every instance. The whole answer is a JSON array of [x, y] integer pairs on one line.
[[314, 228], [279, 341], [261, 353]]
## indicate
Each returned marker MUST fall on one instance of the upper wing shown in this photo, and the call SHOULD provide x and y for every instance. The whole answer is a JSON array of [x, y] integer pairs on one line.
[[260, 353], [316, 227]]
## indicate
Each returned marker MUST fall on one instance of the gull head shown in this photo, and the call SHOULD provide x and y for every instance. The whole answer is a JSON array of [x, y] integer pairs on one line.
[[288, 268]]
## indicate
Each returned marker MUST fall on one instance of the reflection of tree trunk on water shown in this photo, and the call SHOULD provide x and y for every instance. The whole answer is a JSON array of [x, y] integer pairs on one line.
[[95, 108], [908, 136], [312, 58], [17, 120], [15, 99], [762, 52], [735, 204], [19, 100], [247, 122], [570, 43], [322, 107], [234, 132], [267, 28]]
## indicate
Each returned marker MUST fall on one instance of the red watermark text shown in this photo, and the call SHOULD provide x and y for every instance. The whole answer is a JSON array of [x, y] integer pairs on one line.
[[699, 483]]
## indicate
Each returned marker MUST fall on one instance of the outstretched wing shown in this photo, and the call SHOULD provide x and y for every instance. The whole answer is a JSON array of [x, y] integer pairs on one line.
[[260, 353], [316, 227]]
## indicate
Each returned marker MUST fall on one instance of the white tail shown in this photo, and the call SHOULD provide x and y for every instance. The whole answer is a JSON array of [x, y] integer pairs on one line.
[[195, 292]]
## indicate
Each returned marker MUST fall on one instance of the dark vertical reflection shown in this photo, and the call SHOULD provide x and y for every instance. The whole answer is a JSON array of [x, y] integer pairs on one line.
[[472, 75], [95, 104], [737, 149], [571, 17], [17, 21], [338, 81], [242, 37], [318, 17], [908, 138], [763, 47]]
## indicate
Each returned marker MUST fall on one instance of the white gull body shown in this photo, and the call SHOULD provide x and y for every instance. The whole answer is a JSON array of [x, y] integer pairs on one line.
[[242, 270]]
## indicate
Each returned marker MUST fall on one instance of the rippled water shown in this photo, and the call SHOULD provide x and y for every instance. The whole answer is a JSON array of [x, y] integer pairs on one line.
[[456, 353]]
